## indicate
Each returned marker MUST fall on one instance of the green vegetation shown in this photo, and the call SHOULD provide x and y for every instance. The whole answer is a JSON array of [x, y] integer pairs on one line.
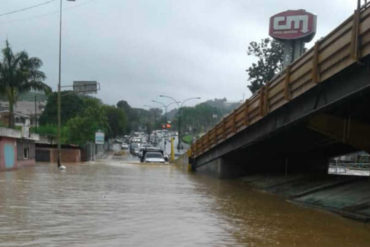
[[19, 73], [116, 119], [200, 118], [141, 119], [50, 131], [82, 116], [72, 105], [188, 139], [194, 120], [270, 57], [82, 128]]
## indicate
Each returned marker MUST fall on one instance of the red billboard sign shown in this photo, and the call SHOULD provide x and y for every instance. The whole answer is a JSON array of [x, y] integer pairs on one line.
[[293, 24]]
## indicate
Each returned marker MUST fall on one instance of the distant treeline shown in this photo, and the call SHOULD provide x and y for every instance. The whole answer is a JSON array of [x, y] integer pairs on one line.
[[82, 116]]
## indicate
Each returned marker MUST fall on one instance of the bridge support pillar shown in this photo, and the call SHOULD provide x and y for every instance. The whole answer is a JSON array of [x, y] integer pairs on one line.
[[222, 168]]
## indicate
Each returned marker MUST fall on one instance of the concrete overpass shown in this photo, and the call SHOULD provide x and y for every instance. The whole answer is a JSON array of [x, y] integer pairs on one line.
[[315, 109]]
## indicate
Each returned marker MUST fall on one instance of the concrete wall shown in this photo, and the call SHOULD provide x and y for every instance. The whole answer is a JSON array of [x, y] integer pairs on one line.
[[241, 163], [182, 162], [223, 168], [68, 155], [230, 168], [6, 132]]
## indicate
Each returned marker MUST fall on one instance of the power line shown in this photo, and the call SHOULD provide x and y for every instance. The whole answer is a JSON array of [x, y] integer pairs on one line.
[[27, 8], [47, 13]]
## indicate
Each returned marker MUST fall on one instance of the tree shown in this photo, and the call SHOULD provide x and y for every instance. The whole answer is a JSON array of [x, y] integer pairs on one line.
[[124, 106], [131, 115], [19, 73], [270, 57], [139, 119], [82, 128], [72, 105], [199, 118], [82, 117], [116, 121], [50, 132]]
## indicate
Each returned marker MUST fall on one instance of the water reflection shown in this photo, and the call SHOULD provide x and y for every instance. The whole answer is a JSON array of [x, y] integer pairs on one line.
[[122, 204]]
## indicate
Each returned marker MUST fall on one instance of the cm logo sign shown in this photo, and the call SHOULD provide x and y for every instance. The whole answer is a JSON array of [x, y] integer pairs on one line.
[[293, 24]]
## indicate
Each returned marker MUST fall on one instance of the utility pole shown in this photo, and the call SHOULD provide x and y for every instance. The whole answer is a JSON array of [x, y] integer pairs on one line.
[[59, 100], [59, 83], [35, 123]]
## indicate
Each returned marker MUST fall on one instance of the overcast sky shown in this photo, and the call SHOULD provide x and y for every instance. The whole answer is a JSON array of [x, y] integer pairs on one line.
[[139, 49]]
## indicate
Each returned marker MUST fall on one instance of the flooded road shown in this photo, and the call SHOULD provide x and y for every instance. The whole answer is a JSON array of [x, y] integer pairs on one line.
[[115, 203]]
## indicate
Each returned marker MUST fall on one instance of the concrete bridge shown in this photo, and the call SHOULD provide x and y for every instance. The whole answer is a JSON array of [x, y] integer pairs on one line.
[[317, 108]]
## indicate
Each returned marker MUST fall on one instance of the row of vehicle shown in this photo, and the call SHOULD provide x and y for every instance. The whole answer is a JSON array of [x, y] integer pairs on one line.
[[147, 153], [144, 146]]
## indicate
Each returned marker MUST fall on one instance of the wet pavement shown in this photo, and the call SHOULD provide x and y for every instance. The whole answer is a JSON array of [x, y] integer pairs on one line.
[[124, 203]]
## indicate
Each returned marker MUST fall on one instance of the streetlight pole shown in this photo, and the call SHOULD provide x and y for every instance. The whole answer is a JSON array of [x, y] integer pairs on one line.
[[165, 107], [59, 98], [180, 105]]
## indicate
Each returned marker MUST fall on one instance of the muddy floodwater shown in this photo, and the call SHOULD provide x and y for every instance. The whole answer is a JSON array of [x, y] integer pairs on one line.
[[116, 203]]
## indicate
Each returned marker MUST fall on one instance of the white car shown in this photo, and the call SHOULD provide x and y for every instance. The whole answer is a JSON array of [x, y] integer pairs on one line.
[[124, 146], [154, 157]]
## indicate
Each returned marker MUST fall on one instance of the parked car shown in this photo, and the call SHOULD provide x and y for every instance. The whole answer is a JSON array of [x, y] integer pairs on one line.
[[153, 157]]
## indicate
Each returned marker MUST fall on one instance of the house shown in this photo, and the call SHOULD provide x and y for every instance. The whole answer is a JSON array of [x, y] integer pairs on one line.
[[17, 148], [28, 108]]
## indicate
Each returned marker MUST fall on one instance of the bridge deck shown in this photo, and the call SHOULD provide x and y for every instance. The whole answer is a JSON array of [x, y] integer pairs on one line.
[[341, 48]]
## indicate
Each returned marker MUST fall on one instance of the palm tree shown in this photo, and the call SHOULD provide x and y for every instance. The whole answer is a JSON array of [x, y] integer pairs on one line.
[[18, 74]]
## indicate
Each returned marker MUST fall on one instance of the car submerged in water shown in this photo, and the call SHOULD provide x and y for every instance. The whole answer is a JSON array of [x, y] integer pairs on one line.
[[152, 156]]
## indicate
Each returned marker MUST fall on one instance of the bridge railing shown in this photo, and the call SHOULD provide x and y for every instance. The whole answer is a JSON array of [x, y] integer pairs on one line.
[[344, 46]]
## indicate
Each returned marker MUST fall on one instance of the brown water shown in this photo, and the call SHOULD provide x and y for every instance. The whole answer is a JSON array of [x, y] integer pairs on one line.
[[120, 204]]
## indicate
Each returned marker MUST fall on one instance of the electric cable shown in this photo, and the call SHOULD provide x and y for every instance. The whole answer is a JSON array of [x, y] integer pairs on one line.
[[47, 13], [26, 8]]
